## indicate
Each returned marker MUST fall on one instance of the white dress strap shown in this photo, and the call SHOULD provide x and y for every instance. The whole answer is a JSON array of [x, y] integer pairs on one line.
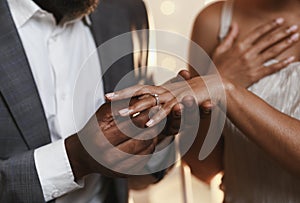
[[226, 19]]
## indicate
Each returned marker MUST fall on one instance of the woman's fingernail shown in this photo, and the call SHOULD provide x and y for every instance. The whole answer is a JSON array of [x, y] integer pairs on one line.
[[150, 123], [125, 112], [294, 37], [290, 59], [110, 95], [279, 21], [291, 29]]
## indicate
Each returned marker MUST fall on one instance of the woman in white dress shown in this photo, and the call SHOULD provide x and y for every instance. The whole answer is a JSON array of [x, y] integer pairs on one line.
[[260, 157]]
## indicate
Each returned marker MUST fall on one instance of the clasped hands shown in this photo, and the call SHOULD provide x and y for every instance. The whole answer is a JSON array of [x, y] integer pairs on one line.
[[242, 63], [121, 146], [239, 62]]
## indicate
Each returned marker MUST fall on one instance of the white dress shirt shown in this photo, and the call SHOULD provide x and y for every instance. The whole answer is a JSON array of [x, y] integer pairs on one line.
[[57, 54], [63, 60]]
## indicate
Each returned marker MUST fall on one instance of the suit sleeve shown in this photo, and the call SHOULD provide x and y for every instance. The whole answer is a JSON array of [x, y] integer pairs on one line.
[[19, 180]]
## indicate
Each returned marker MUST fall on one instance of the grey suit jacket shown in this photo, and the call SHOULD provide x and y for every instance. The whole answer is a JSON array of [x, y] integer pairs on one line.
[[23, 126]]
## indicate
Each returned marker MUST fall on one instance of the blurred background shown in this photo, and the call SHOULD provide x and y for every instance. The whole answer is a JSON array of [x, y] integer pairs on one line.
[[176, 16]]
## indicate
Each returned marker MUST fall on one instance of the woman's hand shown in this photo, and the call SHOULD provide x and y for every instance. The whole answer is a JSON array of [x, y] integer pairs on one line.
[[244, 62], [169, 95]]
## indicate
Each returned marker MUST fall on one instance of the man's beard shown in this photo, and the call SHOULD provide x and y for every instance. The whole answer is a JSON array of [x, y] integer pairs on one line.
[[71, 9]]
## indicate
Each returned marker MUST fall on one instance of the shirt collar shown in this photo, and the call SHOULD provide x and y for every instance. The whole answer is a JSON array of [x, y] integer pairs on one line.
[[22, 10]]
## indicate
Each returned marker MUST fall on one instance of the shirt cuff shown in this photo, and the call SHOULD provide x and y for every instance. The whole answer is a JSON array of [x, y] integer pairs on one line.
[[54, 170]]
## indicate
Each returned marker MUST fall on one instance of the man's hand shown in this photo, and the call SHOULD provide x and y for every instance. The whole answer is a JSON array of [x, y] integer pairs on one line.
[[117, 134], [114, 137]]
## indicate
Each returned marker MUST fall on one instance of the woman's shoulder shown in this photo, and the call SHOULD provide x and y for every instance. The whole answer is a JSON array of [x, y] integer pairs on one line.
[[211, 11], [207, 25]]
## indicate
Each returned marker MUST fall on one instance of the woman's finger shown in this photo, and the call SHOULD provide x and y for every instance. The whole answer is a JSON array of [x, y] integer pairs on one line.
[[228, 42], [145, 103], [206, 107], [163, 112], [259, 32], [184, 74], [265, 71], [134, 91], [274, 39], [126, 93], [277, 49], [141, 105], [192, 90]]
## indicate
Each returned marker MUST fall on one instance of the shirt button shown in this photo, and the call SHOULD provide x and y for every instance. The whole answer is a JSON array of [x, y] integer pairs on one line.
[[53, 38], [55, 194], [42, 14], [63, 97]]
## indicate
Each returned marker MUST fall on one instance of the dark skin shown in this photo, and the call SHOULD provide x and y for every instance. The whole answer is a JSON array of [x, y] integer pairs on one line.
[[252, 13], [83, 164], [80, 160], [247, 15], [240, 61]]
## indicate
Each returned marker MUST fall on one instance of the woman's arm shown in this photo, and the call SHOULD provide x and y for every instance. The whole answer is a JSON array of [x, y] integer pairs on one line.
[[242, 62], [205, 35], [275, 132]]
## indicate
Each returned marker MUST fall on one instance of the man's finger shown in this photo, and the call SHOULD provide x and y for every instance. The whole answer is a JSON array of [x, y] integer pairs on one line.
[[185, 74], [191, 113], [121, 132], [206, 108], [135, 164], [174, 120]]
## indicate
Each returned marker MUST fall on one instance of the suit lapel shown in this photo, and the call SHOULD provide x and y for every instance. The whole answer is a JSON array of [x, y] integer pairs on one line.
[[108, 21], [17, 84]]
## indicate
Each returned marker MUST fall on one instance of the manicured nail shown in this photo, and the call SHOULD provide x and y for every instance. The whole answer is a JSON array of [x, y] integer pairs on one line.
[[289, 60], [150, 123], [279, 21], [294, 37], [136, 114], [291, 29], [125, 112], [110, 95]]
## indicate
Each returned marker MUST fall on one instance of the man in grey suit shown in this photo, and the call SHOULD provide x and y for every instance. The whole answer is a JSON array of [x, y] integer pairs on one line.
[[40, 158]]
